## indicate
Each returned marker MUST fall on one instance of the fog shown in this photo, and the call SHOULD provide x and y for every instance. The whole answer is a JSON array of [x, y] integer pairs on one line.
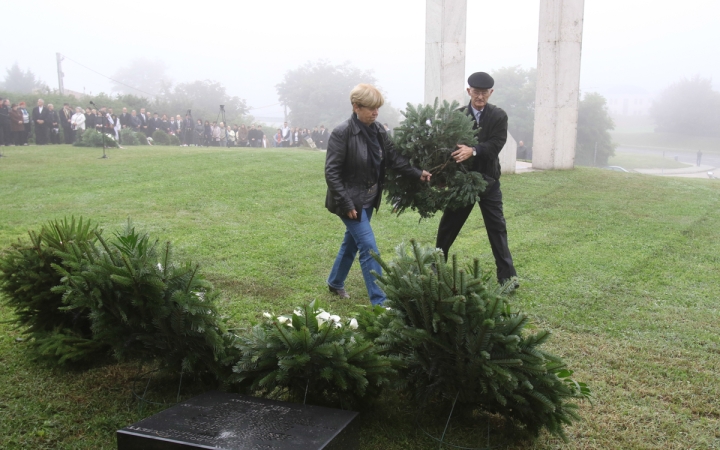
[[248, 46]]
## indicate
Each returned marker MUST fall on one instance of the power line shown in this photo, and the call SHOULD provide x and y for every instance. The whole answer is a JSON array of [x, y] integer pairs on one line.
[[109, 78]]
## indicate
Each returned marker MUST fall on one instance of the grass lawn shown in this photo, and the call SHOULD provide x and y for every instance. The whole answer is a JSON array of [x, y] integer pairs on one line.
[[641, 161], [623, 268]]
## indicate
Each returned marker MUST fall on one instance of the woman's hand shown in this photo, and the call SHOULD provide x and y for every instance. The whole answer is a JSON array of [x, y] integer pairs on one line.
[[425, 177], [352, 214]]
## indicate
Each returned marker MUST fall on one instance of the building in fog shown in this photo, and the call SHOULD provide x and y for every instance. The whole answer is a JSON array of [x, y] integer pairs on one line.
[[628, 101]]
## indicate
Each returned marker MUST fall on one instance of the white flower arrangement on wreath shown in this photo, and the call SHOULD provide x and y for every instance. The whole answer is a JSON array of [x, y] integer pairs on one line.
[[322, 317]]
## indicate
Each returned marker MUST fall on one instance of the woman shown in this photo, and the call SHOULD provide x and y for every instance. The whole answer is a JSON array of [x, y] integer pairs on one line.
[[358, 152], [208, 133], [26, 122], [277, 140], [17, 127], [230, 136], [77, 123]]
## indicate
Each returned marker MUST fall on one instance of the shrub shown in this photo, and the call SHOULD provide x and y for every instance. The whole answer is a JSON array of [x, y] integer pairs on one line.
[[174, 140], [160, 137], [311, 355], [26, 281], [131, 297], [458, 337], [142, 138], [128, 137], [93, 138]]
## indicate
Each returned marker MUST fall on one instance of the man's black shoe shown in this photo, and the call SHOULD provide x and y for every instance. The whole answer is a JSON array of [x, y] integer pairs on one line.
[[514, 283], [339, 292]]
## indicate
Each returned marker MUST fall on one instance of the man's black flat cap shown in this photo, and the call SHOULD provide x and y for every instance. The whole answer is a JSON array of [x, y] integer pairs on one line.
[[481, 80]]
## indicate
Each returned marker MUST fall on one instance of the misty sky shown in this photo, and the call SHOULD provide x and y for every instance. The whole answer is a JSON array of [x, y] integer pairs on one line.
[[249, 45]]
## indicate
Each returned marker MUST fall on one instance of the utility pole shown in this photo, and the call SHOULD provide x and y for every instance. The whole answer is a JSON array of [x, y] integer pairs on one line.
[[61, 86]]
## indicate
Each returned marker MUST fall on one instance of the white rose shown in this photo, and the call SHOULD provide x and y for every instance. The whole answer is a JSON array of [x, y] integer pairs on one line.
[[353, 324]]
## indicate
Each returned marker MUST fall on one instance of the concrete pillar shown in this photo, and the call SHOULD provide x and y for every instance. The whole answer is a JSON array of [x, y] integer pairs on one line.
[[558, 83], [445, 23], [508, 156]]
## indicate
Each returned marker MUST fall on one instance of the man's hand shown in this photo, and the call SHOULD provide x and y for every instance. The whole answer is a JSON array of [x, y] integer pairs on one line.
[[425, 177], [352, 214], [463, 153]]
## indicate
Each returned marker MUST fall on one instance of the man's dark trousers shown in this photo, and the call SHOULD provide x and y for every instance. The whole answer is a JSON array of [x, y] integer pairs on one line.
[[491, 208]]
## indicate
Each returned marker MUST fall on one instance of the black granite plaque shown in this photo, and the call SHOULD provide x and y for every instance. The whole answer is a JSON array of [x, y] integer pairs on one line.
[[218, 420]]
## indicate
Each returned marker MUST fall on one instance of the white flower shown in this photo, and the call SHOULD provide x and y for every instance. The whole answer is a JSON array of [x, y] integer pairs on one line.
[[267, 315], [200, 295], [159, 266], [353, 324], [323, 316], [283, 319], [297, 312], [337, 324], [428, 122], [335, 318]]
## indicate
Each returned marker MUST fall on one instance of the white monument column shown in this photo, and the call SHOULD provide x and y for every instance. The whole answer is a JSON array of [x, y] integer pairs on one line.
[[558, 83], [445, 22]]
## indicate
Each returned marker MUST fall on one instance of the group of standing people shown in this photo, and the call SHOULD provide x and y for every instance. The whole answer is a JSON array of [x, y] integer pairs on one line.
[[16, 123], [300, 137]]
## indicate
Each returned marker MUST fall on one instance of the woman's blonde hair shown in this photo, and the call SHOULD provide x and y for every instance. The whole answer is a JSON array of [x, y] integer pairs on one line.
[[366, 95]]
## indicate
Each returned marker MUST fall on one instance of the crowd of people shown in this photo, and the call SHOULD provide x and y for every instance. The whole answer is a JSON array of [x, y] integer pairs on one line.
[[17, 125]]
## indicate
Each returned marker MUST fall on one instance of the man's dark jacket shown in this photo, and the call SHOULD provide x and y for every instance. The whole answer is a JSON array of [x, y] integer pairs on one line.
[[491, 135], [44, 116], [125, 120], [347, 172]]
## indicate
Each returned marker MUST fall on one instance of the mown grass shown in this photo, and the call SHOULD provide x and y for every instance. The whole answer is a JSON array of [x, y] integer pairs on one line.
[[623, 268], [641, 161]]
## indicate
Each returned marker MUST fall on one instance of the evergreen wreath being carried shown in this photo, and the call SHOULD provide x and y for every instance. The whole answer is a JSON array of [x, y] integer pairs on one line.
[[427, 137]]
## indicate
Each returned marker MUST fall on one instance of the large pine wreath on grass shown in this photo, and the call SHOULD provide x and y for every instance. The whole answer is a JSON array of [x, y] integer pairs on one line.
[[427, 137]]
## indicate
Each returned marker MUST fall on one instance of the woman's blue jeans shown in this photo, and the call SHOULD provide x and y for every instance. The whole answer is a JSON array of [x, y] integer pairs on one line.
[[358, 236]]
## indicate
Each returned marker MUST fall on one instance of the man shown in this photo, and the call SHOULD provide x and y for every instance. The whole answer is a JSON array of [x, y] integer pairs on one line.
[[285, 131], [40, 119], [65, 121], [124, 119], [491, 124], [187, 129], [260, 134], [322, 138], [521, 151], [152, 124], [108, 124], [315, 136], [5, 134], [252, 136], [54, 121], [135, 122]]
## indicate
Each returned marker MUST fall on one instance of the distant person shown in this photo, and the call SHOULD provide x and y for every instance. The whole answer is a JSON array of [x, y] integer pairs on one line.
[[78, 124], [207, 136], [323, 136], [117, 127], [242, 136], [17, 127], [54, 121], [124, 118], [188, 130], [90, 119], [135, 122], [285, 134], [699, 158], [199, 133], [522, 151], [40, 121], [5, 133], [490, 124], [231, 136], [22, 107], [260, 137], [143, 120], [65, 118], [277, 141]]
